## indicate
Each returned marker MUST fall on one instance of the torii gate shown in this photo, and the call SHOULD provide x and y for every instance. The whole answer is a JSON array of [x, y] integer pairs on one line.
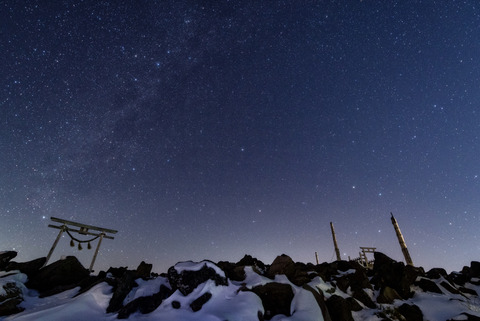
[[83, 229]]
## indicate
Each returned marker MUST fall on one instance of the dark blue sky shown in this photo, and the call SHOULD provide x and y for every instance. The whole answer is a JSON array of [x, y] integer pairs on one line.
[[210, 131]]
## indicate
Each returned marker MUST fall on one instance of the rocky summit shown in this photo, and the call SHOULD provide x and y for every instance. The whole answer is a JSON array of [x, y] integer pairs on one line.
[[246, 290]]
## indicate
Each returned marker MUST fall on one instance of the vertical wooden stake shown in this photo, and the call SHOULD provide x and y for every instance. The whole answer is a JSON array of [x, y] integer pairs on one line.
[[96, 252], [54, 245], [316, 257]]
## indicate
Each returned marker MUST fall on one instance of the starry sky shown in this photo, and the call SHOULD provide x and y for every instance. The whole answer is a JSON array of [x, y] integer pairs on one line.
[[215, 129]]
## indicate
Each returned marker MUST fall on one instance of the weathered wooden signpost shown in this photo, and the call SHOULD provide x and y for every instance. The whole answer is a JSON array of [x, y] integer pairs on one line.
[[337, 251], [69, 226]]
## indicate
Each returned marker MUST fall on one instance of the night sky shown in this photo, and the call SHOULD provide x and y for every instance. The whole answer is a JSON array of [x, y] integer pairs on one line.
[[215, 129]]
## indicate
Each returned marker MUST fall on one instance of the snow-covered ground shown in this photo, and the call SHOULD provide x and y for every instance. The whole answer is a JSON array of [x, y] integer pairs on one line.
[[227, 302]]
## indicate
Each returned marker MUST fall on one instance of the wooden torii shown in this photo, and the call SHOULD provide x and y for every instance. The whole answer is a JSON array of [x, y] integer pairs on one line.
[[83, 229]]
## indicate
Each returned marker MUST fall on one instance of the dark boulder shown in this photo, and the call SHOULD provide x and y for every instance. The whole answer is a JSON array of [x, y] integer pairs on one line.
[[320, 298], [450, 288], [144, 270], [388, 295], [411, 312], [198, 303], [257, 265], [363, 297], [276, 298], [10, 300], [283, 264], [121, 288], [474, 269], [187, 280], [388, 272], [428, 285], [436, 273], [339, 309], [59, 276], [145, 304], [30, 268], [232, 271], [5, 258]]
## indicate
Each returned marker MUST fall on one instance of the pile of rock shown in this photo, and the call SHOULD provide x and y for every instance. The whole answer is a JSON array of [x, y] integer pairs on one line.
[[360, 288]]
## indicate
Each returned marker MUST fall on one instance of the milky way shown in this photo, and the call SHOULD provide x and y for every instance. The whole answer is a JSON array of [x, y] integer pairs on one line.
[[206, 130]]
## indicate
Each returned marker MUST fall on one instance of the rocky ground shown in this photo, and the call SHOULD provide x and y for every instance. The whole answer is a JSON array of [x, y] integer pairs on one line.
[[283, 290]]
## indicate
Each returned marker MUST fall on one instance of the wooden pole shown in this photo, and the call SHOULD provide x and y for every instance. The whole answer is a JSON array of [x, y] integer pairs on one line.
[[96, 252], [337, 251], [316, 257], [62, 229], [401, 240]]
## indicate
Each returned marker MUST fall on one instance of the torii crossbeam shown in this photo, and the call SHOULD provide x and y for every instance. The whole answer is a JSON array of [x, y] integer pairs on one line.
[[83, 229]]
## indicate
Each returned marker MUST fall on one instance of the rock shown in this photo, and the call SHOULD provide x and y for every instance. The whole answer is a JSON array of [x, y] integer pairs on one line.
[[428, 285], [176, 305], [459, 278], [474, 269], [388, 272], [30, 268], [198, 303], [387, 295], [144, 270], [320, 298], [436, 273], [232, 271], [411, 312], [283, 264], [59, 276], [145, 304], [447, 286], [187, 280], [353, 304], [5, 257], [467, 290], [122, 287], [276, 298], [339, 309], [363, 297], [117, 272], [10, 300], [257, 265]]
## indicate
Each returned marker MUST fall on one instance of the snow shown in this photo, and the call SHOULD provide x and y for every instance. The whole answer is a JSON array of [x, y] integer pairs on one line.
[[196, 266], [228, 302]]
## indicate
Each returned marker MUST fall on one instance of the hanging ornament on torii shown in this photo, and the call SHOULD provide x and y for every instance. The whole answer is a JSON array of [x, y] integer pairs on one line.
[[83, 229]]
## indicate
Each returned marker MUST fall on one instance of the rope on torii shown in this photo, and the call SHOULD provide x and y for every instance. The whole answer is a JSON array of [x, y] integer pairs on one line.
[[83, 229]]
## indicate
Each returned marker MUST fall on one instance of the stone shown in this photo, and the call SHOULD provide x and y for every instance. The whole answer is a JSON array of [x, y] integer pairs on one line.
[[276, 298], [320, 298], [474, 269], [198, 303], [176, 305], [363, 297], [11, 299], [257, 265], [144, 270], [436, 273], [283, 264], [388, 295], [145, 304], [411, 312], [232, 271], [428, 285], [187, 280], [339, 309], [447, 286], [122, 287], [5, 257], [30, 268], [388, 272], [59, 276]]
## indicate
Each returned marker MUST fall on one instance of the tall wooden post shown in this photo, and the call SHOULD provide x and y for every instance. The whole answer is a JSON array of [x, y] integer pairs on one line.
[[96, 252], [62, 229], [316, 257], [401, 240], [337, 251]]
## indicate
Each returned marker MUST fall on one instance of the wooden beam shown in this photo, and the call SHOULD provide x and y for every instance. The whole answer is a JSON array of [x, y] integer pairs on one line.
[[82, 232], [91, 227]]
